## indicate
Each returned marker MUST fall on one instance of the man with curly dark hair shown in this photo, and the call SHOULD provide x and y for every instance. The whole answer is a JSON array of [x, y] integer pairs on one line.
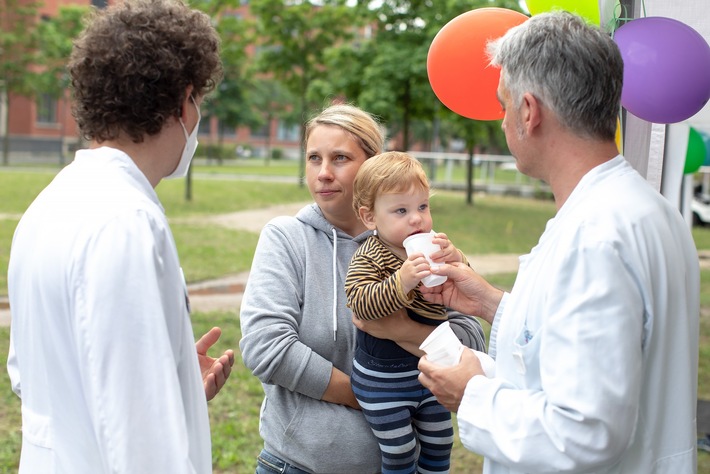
[[102, 349]]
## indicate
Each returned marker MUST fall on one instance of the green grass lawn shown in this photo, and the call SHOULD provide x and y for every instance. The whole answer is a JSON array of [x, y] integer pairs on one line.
[[492, 225], [452, 171]]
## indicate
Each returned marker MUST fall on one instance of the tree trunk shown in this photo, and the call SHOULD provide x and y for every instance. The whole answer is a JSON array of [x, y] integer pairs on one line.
[[469, 177], [5, 99], [267, 144], [302, 164]]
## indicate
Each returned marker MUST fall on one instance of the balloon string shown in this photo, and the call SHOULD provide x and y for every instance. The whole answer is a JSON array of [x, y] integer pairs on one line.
[[620, 15]]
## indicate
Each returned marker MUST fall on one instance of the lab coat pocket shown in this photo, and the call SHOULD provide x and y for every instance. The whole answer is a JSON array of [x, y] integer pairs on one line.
[[37, 454], [526, 353], [36, 428]]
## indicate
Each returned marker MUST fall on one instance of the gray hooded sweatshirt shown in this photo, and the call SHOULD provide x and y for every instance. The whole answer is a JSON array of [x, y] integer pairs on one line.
[[295, 327]]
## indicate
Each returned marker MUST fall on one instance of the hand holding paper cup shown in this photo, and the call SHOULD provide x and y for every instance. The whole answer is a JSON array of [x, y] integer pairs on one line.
[[442, 346], [422, 243]]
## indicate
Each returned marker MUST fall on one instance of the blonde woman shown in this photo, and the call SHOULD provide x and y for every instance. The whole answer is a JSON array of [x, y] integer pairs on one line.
[[297, 332]]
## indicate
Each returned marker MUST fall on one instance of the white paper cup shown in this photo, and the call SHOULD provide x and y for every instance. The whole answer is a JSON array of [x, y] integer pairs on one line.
[[421, 243], [445, 357], [441, 337], [442, 346]]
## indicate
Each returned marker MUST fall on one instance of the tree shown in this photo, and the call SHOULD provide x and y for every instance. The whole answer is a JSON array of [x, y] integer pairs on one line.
[[398, 86], [398, 89], [54, 40], [229, 103], [293, 40], [17, 47], [344, 64], [477, 136], [245, 97], [391, 78], [272, 100]]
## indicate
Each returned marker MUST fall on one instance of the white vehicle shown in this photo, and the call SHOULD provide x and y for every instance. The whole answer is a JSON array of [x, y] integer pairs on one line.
[[700, 207]]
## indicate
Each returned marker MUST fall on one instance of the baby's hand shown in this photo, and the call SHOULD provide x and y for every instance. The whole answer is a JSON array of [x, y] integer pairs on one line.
[[413, 270], [448, 253]]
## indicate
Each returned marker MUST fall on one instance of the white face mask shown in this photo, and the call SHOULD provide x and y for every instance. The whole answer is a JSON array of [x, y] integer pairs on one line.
[[190, 146]]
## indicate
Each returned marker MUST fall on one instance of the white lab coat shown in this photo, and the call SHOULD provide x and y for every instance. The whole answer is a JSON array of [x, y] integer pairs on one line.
[[104, 354], [596, 346]]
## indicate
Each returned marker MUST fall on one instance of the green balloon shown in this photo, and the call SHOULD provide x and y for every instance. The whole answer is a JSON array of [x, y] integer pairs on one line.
[[695, 155], [587, 9]]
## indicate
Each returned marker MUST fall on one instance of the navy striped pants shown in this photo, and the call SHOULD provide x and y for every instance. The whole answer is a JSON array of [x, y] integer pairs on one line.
[[402, 412]]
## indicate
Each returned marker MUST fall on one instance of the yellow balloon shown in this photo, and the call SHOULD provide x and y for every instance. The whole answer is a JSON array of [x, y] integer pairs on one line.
[[617, 138], [588, 9]]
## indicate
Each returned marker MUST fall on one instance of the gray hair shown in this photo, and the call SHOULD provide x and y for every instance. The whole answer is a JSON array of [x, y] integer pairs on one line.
[[572, 67], [366, 131]]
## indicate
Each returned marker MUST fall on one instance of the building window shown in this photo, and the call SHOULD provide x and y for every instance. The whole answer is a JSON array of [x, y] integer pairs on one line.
[[227, 131], [46, 109], [288, 132], [99, 3], [260, 132]]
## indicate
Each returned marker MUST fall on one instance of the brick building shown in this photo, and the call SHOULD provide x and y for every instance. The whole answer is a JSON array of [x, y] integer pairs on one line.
[[42, 129]]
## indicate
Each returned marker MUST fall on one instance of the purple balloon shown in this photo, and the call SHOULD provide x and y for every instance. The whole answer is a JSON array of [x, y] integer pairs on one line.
[[666, 69]]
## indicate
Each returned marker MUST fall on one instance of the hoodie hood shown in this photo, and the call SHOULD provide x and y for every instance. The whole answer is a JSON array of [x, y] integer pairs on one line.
[[313, 216]]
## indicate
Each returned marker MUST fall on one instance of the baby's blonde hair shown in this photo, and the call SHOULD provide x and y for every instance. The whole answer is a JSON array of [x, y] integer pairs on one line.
[[387, 173]]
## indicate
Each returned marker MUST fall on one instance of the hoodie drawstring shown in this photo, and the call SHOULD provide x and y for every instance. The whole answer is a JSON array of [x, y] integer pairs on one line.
[[335, 282]]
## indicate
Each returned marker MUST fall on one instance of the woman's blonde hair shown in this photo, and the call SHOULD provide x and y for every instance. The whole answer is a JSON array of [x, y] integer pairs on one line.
[[363, 127], [387, 173]]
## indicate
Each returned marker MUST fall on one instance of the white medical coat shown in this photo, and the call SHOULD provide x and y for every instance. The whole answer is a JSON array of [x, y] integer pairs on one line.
[[104, 354], [596, 346]]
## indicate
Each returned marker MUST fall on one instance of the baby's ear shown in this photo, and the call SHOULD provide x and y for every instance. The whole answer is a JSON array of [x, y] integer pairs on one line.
[[367, 217]]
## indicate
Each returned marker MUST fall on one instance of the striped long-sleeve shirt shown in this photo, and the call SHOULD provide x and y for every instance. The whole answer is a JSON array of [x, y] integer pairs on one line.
[[374, 286]]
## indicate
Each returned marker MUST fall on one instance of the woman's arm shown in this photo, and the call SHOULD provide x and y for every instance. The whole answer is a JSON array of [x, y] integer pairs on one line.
[[468, 329], [409, 334], [397, 327], [339, 390], [271, 315]]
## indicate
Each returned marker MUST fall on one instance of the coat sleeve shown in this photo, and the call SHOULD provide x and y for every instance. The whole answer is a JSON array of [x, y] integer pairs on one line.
[[12, 368], [130, 311]]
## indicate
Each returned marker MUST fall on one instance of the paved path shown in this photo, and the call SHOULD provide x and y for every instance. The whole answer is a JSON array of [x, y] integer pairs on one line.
[[225, 294], [251, 220]]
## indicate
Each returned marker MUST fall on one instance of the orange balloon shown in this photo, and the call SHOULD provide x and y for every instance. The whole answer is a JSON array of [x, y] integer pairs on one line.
[[457, 62]]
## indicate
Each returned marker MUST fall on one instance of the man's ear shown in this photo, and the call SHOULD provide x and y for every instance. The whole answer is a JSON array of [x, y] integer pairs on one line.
[[367, 217], [186, 103], [531, 113]]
